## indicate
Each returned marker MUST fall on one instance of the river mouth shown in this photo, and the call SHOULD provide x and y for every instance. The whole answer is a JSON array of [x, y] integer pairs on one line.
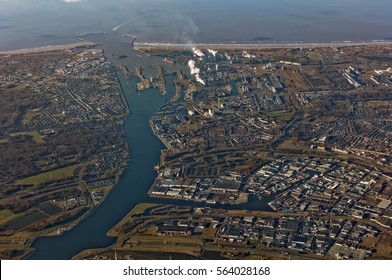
[[119, 50]]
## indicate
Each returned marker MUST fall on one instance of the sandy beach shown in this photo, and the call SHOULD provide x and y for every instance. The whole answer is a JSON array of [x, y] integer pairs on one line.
[[152, 46], [145, 46], [48, 48]]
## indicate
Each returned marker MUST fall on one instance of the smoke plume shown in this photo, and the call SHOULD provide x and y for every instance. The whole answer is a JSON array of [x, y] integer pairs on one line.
[[195, 71], [212, 52], [197, 52]]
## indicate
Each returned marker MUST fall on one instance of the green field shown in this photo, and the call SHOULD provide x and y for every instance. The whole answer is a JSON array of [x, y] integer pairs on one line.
[[5, 213], [35, 134], [140, 208], [53, 175], [281, 115], [29, 115]]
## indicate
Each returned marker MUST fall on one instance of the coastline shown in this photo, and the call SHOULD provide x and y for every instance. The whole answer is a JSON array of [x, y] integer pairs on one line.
[[48, 48], [174, 46], [231, 46]]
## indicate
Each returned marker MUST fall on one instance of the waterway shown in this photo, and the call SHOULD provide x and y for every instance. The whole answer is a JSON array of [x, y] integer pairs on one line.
[[131, 190], [144, 149]]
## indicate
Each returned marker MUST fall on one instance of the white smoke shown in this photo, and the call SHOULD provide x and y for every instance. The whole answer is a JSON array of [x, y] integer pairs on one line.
[[212, 52], [71, 1], [247, 55], [195, 71], [197, 52], [192, 66], [199, 80]]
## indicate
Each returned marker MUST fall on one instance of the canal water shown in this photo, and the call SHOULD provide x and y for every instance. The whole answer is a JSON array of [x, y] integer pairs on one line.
[[144, 149]]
